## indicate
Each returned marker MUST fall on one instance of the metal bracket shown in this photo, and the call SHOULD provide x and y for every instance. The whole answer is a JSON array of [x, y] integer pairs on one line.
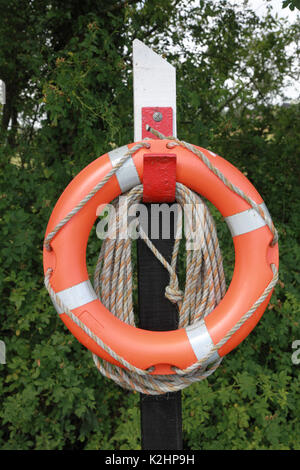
[[159, 118]]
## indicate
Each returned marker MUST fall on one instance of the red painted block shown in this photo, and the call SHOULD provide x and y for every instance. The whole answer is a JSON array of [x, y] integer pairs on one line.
[[165, 125], [159, 177]]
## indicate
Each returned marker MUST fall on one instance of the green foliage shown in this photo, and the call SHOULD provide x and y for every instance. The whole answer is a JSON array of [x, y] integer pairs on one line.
[[68, 70], [292, 4]]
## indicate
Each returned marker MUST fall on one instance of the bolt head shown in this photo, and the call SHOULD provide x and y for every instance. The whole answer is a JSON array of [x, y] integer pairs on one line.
[[157, 116]]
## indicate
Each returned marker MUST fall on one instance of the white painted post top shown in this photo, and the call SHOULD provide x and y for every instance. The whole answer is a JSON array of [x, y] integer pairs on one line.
[[154, 84]]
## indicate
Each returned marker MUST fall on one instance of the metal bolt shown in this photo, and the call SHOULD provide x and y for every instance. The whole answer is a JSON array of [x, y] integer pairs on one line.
[[157, 116]]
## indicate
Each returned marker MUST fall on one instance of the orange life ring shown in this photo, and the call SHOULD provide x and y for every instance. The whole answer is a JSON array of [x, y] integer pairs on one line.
[[160, 350]]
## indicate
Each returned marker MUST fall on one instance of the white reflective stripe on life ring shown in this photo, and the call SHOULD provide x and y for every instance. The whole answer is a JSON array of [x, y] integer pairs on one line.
[[201, 341], [75, 296], [246, 221], [127, 175]]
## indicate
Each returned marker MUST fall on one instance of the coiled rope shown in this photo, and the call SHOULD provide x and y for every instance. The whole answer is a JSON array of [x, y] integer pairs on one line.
[[204, 287], [205, 282]]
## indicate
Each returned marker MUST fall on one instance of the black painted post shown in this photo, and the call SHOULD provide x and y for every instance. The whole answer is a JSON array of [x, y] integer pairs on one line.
[[161, 421]]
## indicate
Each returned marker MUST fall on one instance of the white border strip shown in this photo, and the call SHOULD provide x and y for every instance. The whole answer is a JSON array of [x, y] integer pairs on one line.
[[201, 341], [127, 175], [75, 296], [246, 221]]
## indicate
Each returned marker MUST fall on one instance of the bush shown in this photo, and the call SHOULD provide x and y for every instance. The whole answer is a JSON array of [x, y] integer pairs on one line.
[[52, 397]]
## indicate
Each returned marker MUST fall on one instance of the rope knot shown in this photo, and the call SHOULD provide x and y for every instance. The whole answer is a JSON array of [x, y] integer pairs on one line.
[[173, 294]]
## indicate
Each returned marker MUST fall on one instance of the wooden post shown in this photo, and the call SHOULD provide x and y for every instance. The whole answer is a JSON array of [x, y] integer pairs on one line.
[[155, 104]]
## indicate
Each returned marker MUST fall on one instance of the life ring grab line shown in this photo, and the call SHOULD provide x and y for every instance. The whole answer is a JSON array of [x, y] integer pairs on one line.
[[87, 197], [133, 172], [206, 352], [237, 222], [83, 293], [216, 171], [198, 333]]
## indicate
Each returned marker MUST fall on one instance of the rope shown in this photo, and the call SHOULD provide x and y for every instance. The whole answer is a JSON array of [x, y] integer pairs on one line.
[[205, 281], [220, 175], [92, 193]]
